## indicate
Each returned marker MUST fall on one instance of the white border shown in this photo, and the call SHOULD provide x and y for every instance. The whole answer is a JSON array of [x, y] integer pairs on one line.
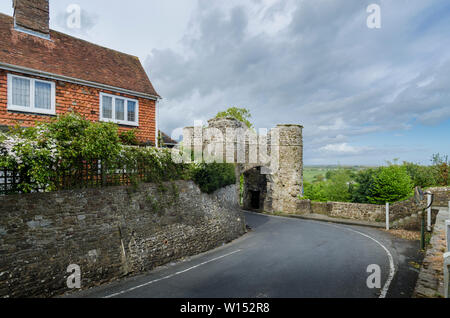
[[114, 120], [32, 108]]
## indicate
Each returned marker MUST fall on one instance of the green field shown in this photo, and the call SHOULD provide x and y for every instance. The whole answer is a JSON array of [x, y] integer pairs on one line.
[[310, 173]]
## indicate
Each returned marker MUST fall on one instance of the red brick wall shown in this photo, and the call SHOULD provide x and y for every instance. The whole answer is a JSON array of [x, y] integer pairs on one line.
[[81, 99]]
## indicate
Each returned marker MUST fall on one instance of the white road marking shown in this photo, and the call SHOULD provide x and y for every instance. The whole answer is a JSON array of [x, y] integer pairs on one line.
[[391, 261], [171, 275]]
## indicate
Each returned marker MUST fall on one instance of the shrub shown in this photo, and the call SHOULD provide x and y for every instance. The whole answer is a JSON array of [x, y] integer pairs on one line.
[[422, 176], [336, 188], [315, 191], [389, 184], [213, 176], [129, 138]]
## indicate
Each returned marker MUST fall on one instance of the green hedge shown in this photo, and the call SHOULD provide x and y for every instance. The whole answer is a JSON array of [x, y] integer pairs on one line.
[[213, 176]]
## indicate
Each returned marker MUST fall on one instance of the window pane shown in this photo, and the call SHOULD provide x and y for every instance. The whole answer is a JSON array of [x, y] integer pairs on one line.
[[43, 93], [131, 111], [120, 109], [20, 92], [107, 107]]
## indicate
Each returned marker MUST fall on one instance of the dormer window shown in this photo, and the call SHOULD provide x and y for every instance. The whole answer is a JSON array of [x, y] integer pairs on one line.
[[31, 95]]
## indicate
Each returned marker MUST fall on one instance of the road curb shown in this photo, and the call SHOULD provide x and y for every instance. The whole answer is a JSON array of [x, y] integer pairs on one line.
[[326, 219]]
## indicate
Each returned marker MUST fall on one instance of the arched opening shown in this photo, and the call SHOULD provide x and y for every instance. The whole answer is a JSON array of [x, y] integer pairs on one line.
[[253, 190]]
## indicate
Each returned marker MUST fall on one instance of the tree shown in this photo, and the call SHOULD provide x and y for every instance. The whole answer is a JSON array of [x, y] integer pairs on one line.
[[421, 176], [240, 114], [390, 184], [441, 168], [364, 180], [337, 188]]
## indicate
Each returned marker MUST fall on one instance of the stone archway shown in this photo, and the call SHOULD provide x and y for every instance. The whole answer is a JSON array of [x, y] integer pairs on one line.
[[254, 190], [275, 174]]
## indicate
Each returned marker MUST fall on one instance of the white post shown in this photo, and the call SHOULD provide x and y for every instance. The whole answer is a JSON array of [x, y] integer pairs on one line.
[[429, 213], [387, 217], [449, 207], [446, 275]]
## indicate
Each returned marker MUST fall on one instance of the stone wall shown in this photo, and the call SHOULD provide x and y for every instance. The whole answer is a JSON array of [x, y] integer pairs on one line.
[[358, 211], [431, 277], [344, 210], [108, 232], [441, 196]]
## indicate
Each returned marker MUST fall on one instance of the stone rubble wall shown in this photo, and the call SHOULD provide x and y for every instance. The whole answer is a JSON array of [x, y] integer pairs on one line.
[[108, 232], [344, 210], [403, 214], [430, 283]]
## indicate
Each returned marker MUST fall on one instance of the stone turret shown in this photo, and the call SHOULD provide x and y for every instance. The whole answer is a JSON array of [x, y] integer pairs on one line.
[[287, 180]]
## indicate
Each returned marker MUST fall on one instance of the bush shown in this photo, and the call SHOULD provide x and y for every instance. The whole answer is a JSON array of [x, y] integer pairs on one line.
[[213, 176], [129, 138], [384, 184], [336, 188], [315, 191], [421, 176]]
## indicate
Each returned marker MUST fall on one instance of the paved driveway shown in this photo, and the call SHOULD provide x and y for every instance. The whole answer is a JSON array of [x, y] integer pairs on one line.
[[282, 257]]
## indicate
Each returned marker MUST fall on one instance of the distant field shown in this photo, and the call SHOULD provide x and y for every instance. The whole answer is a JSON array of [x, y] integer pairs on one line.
[[311, 172]]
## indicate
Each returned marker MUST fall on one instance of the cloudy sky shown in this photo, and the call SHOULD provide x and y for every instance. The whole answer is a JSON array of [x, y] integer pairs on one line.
[[363, 95]]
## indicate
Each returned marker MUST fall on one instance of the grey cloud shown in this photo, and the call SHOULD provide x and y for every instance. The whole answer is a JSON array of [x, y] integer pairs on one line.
[[326, 64]]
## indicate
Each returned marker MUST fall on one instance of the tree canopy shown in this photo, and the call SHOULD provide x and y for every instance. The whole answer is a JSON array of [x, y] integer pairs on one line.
[[241, 114]]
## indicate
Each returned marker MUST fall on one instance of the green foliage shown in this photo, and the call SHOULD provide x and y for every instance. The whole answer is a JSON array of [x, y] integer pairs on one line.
[[129, 138], [213, 176], [363, 183], [335, 188], [389, 184], [441, 169], [315, 191], [421, 176], [338, 186], [240, 114]]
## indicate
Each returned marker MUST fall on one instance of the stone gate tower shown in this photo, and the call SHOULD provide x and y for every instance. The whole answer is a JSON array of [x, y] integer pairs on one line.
[[271, 163]]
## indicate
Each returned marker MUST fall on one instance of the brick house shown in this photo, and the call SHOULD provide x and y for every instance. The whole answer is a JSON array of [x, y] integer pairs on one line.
[[44, 73]]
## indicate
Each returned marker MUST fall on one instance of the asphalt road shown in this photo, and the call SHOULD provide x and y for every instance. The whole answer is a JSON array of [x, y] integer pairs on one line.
[[282, 258]]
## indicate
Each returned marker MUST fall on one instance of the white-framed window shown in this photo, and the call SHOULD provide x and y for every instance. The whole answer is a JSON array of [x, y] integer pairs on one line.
[[118, 109], [31, 95]]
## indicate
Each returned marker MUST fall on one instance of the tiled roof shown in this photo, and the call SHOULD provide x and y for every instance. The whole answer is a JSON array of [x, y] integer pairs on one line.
[[70, 57], [167, 140]]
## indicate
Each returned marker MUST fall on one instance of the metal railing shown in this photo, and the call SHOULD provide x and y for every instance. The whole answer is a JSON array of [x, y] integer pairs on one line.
[[86, 174]]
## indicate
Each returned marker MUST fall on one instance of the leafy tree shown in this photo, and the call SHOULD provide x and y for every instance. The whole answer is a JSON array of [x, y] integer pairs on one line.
[[315, 191], [390, 184], [441, 168], [334, 189], [421, 176], [240, 114], [337, 188], [213, 176], [364, 180]]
